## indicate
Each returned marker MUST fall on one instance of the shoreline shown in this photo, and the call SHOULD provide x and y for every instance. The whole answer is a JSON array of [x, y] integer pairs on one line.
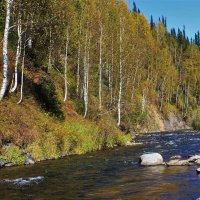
[[9, 164]]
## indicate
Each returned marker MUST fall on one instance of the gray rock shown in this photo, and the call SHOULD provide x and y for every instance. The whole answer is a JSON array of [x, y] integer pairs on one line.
[[28, 159], [198, 171], [151, 159], [2, 163], [194, 158], [178, 162], [9, 164], [197, 162], [175, 157], [7, 146], [29, 162]]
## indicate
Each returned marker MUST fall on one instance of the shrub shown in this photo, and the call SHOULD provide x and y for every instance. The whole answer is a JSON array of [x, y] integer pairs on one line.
[[196, 119], [47, 96], [50, 146], [82, 137], [110, 135], [13, 154], [36, 151]]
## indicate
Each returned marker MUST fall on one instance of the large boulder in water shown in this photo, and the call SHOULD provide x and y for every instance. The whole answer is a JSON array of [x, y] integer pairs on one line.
[[151, 159]]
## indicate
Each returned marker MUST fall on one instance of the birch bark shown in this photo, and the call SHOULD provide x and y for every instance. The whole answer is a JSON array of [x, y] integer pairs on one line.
[[5, 50], [66, 66], [120, 74], [18, 54], [100, 66]]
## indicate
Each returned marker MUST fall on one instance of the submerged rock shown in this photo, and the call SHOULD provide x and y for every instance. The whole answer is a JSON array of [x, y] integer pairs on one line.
[[151, 159], [178, 162], [24, 181]]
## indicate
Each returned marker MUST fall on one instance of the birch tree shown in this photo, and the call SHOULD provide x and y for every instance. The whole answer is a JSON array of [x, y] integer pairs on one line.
[[22, 73], [120, 70], [18, 54], [66, 66], [86, 73], [5, 49], [100, 66]]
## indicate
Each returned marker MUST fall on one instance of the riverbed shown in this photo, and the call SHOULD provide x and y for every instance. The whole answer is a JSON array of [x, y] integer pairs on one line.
[[111, 174]]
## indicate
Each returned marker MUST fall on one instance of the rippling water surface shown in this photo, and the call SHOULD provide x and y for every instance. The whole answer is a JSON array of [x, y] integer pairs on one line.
[[112, 174]]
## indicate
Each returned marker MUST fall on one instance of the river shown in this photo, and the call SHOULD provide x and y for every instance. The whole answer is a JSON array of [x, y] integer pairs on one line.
[[111, 174]]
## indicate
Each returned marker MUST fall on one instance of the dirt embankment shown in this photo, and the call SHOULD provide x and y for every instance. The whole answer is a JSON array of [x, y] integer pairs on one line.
[[157, 122]]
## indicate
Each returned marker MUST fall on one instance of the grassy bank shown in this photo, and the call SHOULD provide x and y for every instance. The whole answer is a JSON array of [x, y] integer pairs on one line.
[[28, 128]]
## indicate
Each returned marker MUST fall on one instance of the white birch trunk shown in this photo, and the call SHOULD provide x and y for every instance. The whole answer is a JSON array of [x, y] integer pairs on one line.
[[50, 50], [143, 101], [78, 69], [5, 50], [66, 66], [79, 58], [134, 79], [86, 73], [120, 75], [100, 66], [111, 73], [85, 83], [22, 75], [18, 54]]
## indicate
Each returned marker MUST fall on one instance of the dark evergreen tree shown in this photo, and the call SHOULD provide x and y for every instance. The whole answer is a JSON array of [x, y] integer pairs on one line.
[[135, 7], [163, 20], [152, 24], [184, 35], [173, 32]]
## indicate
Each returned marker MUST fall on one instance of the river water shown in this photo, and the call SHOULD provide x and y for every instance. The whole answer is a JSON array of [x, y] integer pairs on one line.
[[112, 174]]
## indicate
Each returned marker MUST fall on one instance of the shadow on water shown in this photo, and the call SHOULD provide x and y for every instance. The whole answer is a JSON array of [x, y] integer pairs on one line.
[[113, 174]]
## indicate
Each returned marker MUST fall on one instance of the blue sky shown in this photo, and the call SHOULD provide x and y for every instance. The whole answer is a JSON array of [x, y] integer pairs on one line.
[[178, 12]]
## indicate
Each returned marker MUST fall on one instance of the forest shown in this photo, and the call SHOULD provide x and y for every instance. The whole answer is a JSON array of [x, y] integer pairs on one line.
[[81, 75]]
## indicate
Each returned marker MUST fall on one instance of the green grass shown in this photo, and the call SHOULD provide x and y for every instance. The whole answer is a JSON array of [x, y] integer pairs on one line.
[[13, 154], [74, 137]]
